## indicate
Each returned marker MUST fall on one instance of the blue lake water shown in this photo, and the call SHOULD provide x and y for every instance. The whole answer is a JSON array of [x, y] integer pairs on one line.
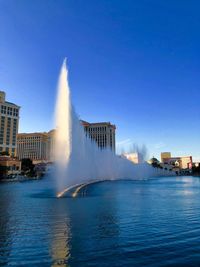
[[125, 223]]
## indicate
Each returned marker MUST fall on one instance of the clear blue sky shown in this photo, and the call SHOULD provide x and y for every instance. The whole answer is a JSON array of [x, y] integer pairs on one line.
[[135, 63]]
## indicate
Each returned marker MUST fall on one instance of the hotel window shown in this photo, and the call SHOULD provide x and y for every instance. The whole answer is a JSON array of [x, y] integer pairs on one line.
[[8, 131], [2, 129], [9, 111], [15, 112], [14, 132], [3, 109]]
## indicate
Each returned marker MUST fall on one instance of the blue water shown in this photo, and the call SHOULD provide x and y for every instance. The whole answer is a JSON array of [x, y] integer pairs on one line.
[[126, 223]]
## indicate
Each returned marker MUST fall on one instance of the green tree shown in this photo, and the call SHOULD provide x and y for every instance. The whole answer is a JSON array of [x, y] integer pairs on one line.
[[27, 164], [3, 171], [28, 167]]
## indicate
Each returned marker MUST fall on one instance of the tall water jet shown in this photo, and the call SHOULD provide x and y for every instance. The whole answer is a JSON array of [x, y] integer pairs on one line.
[[63, 125]]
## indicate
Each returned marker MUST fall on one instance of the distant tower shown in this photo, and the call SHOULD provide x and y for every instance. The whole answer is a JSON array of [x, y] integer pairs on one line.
[[9, 120], [2, 97], [165, 155]]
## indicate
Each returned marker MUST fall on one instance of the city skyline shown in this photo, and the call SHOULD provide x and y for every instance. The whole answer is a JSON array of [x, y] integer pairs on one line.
[[127, 65]]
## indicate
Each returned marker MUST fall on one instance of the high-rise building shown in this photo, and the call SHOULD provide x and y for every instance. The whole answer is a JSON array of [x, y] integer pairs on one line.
[[33, 146], [9, 121], [101, 132]]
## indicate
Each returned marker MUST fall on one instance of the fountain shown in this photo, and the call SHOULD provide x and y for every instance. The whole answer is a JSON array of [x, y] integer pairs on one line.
[[63, 126], [79, 161]]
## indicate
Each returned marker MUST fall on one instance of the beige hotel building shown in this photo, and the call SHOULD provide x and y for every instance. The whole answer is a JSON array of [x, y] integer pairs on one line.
[[101, 132], [9, 121], [32, 146], [40, 146]]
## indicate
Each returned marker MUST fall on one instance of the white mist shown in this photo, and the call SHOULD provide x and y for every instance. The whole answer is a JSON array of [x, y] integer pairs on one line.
[[78, 159]]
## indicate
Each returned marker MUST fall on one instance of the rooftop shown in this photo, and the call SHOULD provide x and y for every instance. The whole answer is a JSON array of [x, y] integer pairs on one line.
[[30, 134], [12, 104], [85, 123]]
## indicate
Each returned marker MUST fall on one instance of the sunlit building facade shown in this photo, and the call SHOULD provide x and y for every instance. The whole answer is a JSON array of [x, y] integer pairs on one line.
[[40, 147], [33, 146], [165, 155], [101, 132], [183, 162], [9, 121]]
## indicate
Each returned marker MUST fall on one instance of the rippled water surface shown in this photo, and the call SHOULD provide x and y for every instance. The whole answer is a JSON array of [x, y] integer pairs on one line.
[[125, 223]]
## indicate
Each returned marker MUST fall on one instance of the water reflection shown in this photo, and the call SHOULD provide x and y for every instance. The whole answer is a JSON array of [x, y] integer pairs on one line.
[[107, 219], [60, 250], [5, 235], [60, 233], [107, 225], [144, 223]]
